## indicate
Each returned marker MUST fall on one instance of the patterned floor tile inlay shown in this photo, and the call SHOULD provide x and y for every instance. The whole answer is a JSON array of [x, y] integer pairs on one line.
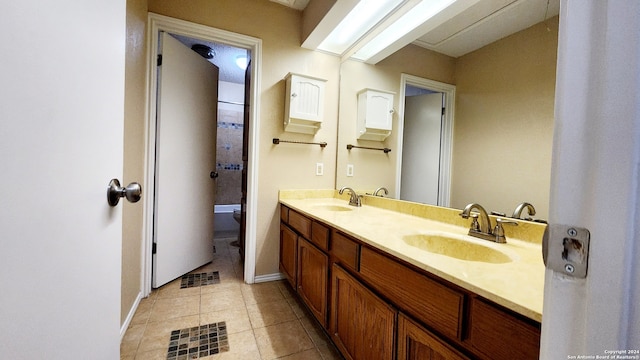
[[200, 279], [197, 342]]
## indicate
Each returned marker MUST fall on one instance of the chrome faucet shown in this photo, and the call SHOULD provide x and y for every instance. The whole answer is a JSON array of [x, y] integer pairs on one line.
[[386, 192], [483, 229], [518, 211], [485, 222], [355, 199]]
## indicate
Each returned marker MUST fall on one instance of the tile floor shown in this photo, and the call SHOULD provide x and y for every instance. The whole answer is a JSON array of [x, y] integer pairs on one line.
[[262, 321]]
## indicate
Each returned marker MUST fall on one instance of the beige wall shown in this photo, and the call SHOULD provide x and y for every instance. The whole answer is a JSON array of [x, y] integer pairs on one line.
[[375, 168], [488, 79], [504, 121], [134, 123], [281, 166]]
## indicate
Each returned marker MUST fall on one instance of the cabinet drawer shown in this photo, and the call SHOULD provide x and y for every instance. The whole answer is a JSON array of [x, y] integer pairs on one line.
[[320, 235], [421, 297], [300, 223], [501, 335], [284, 214], [345, 250]]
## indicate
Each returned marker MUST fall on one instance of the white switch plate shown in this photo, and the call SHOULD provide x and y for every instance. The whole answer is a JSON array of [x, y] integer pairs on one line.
[[319, 169], [349, 169]]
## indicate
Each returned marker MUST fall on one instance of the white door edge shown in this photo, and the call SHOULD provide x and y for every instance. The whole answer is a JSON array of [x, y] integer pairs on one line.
[[158, 23], [446, 146]]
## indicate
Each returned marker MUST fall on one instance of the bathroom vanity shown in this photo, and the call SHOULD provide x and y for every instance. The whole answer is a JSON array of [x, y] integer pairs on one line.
[[381, 290]]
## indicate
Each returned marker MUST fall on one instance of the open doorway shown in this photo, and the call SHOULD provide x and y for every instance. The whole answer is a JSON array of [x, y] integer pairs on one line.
[[251, 47], [425, 140]]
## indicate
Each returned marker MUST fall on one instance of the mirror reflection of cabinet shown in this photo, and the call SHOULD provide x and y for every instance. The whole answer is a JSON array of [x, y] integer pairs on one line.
[[304, 103], [375, 114]]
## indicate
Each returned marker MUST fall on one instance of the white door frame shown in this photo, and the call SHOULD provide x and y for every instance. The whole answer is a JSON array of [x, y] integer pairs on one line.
[[155, 24], [595, 180], [446, 145]]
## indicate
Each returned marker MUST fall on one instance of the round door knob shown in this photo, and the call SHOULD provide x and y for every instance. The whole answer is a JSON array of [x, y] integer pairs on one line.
[[132, 192]]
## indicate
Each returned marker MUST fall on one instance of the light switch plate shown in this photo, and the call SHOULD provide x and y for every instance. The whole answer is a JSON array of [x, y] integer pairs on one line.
[[349, 169], [565, 249], [319, 169]]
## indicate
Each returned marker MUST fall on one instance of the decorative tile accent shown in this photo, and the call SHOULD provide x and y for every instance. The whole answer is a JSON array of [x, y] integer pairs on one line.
[[229, 166], [230, 125], [201, 279], [198, 341]]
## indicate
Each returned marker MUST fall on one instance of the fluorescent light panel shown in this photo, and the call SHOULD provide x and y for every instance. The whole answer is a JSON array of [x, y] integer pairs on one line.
[[365, 15], [407, 23]]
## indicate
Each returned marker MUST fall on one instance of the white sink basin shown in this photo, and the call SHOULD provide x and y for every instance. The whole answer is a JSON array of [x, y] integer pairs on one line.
[[457, 248]]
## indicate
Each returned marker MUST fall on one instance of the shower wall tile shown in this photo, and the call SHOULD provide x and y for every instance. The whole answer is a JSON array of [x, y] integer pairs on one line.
[[229, 156]]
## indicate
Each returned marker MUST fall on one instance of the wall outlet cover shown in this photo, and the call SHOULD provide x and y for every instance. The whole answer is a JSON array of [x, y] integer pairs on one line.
[[349, 169], [319, 169]]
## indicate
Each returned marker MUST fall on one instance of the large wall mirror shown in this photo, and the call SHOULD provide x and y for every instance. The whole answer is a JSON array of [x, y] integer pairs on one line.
[[501, 137]]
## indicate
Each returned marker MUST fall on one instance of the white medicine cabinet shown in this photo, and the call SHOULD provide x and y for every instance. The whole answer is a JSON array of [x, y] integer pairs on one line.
[[304, 103], [375, 114]]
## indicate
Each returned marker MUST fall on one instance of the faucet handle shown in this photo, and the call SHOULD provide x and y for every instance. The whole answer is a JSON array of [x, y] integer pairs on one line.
[[498, 231]]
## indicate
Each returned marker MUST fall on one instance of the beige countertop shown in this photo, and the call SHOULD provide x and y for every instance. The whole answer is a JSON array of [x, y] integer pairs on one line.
[[517, 285]]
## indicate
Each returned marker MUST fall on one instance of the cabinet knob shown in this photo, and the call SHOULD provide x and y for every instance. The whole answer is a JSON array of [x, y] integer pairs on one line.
[[294, 95]]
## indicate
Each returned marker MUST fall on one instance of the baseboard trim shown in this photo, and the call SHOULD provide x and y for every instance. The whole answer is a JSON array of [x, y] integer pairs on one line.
[[268, 277], [132, 311]]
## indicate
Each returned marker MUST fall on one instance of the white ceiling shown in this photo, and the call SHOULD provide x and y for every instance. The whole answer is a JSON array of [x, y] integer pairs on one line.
[[485, 22], [464, 26], [296, 4], [473, 25], [224, 58]]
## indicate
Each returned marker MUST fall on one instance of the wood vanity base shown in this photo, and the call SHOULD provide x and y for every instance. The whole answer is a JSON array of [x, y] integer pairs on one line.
[[375, 306]]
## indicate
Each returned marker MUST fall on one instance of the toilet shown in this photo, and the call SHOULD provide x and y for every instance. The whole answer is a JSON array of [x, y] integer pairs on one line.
[[237, 218]]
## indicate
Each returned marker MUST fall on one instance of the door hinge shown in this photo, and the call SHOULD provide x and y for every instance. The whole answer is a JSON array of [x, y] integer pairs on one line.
[[443, 110], [153, 248], [159, 59]]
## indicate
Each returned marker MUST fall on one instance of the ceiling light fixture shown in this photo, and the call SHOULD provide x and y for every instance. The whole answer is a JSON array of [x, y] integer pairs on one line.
[[418, 15], [204, 51], [241, 62], [365, 15]]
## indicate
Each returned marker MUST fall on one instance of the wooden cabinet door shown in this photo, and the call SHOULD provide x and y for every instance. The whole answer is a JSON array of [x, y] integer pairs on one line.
[[362, 325], [313, 275], [416, 343], [497, 334], [288, 253]]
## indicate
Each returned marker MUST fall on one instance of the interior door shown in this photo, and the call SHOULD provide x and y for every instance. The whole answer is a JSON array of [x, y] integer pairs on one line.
[[245, 159], [62, 117], [185, 161], [421, 148]]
